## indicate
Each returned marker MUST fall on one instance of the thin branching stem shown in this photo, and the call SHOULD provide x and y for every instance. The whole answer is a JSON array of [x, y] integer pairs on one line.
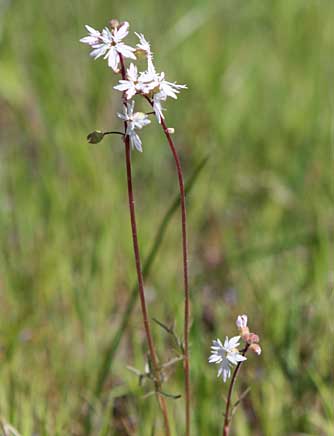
[[147, 328], [227, 420]]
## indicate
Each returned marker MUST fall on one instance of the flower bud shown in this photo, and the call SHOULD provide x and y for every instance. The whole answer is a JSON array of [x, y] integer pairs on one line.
[[171, 130], [242, 321], [113, 23], [95, 137], [242, 326], [251, 338], [255, 348]]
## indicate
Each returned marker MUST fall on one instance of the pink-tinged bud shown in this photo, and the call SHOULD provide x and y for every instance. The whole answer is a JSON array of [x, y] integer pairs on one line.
[[171, 130], [255, 348], [251, 338], [113, 23]]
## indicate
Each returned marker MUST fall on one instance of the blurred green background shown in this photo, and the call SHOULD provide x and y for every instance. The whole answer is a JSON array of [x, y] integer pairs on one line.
[[260, 105]]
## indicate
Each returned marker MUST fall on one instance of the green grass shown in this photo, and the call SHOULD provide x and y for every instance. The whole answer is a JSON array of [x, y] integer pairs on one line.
[[260, 104]]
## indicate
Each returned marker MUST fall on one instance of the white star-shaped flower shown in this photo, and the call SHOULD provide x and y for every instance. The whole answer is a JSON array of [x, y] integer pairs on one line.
[[134, 121], [155, 83], [108, 43], [226, 355], [169, 88], [143, 45], [131, 85]]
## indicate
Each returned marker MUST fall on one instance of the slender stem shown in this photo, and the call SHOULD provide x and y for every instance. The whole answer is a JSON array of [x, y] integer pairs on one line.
[[149, 337], [112, 349], [185, 271], [227, 420], [185, 275], [114, 133]]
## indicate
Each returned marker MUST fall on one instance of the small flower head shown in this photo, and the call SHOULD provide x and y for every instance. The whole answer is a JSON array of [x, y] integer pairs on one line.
[[226, 355], [134, 120], [143, 45], [131, 85], [108, 43]]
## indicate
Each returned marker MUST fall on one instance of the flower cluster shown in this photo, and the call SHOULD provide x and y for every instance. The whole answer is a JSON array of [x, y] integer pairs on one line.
[[226, 355], [148, 83]]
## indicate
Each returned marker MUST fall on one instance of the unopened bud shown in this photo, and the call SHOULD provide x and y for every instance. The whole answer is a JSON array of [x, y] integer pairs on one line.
[[171, 130], [113, 23], [95, 137], [251, 338], [242, 326], [255, 348], [242, 321]]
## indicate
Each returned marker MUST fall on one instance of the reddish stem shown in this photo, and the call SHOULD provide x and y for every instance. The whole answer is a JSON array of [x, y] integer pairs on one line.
[[150, 342], [185, 270], [185, 275], [227, 420]]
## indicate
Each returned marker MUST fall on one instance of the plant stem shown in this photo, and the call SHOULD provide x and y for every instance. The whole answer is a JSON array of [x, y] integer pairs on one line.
[[185, 275], [227, 420], [147, 328], [185, 271], [112, 349], [149, 337], [114, 133]]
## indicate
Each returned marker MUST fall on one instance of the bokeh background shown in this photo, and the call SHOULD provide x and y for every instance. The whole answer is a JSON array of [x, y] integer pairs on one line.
[[260, 108]]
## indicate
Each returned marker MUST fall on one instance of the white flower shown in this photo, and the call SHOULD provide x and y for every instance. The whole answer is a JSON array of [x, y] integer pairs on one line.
[[131, 85], [157, 99], [144, 45], [93, 38], [108, 43], [155, 83], [134, 121], [169, 88], [226, 355], [149, 82], [242, 321]]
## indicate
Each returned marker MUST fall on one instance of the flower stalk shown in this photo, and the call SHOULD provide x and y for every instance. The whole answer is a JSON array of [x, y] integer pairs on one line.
[[153, 86], [226, 355], [186, 329], [147, 328], [228, 418]]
